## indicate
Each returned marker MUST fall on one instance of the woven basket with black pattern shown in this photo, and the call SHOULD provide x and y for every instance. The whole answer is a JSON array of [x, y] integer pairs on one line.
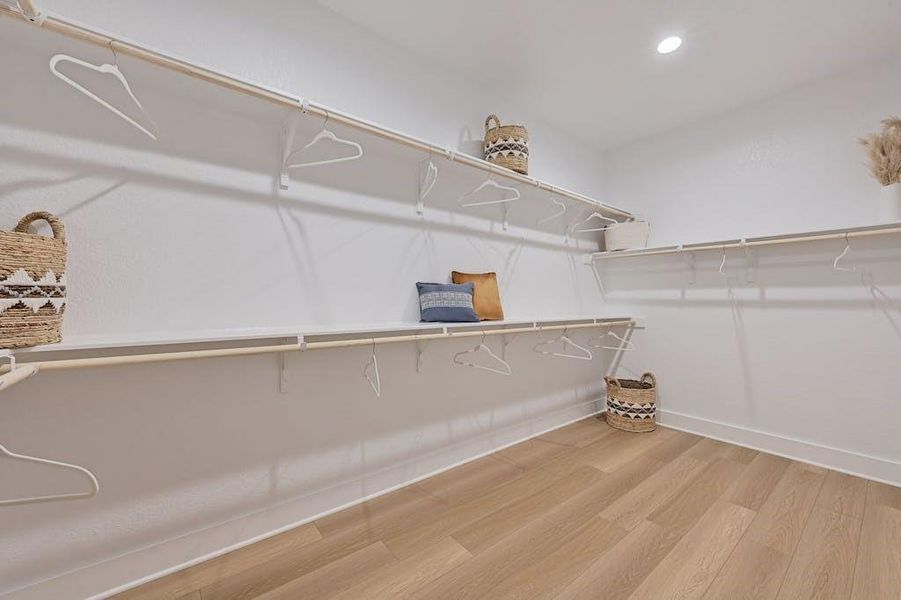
[[32, 283]]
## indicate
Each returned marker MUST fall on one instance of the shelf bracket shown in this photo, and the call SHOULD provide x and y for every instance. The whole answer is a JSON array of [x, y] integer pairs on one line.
[[288, 133], [283, 370], [690, 260], [420, 349], [506, 341]]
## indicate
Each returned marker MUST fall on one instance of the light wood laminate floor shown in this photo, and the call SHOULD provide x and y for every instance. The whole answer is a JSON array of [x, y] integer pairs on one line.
[[586, 511]]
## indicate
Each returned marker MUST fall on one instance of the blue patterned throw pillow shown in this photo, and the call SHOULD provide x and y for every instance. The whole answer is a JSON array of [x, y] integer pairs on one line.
[[446, 302]]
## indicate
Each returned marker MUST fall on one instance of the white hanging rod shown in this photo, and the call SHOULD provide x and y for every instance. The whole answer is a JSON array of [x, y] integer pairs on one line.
[[68, 28], [300, 345], [771, 240]]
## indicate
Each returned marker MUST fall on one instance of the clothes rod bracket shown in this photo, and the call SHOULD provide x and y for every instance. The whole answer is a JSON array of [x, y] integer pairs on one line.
[[31, 12]]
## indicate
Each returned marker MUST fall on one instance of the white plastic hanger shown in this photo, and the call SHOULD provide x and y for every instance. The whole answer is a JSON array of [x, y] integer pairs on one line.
[[584, 353], [489, 182], [505, 368], [112, 69], [95, 485], [428, 176], [327, 135], [594, 215], [557, 214], [371, 373], [625, 345], [838, 259]]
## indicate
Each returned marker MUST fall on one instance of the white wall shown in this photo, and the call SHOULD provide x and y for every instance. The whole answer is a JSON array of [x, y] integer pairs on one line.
[[190, 234], [803, 359]]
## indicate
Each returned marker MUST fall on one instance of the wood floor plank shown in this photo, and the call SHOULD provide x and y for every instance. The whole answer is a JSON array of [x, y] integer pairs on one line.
[[884, 494], [624, 448], [471, 479], [843, 493], [532, 453], [752, 572], [689, 569], [823, 564], [615, 574], [330, 579], [758, 481], [598, 496], [486, 531], [634, 507], [187, 581], [669, 449], [684, 509], [407, 576], [411, 540], [782, 518], [549, 574], [579, 434], [403, 504], [877, 575], [510, 555], [251, 582], [710, 450]]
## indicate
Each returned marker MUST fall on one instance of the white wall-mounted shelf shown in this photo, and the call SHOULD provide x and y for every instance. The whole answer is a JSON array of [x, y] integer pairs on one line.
[[750, 242], [259, 90], [349, 333]]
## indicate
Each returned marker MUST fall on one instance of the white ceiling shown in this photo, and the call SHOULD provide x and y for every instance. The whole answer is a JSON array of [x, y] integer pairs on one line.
[[592, 68]]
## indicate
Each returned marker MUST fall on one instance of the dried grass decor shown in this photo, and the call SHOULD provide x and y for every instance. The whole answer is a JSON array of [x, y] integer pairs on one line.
[[884, 151]]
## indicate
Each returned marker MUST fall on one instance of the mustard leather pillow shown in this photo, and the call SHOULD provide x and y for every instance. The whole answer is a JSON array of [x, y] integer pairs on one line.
[[487, 298]]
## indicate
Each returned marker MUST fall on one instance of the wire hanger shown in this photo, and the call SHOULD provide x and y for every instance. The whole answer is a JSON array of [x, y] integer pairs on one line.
[[95, 485], [625, 344], [584, 353], [594, 215], [111, 69], [838, 259], [722, 268], [489, 181], [427, 179], [559, 213], [328, 135], [504, 369], [371, 372]]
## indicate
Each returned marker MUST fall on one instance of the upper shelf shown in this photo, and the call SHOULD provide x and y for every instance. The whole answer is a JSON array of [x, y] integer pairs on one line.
[[766, 240], [259, 90]]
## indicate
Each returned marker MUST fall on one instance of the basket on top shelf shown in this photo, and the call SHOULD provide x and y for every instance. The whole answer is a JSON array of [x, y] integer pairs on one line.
[[507, 145], [32, 283], [631, 404]]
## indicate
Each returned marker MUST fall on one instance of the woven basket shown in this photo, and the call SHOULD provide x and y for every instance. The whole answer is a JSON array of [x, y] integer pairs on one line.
[[507, 145], [32, 283], [632, 405]]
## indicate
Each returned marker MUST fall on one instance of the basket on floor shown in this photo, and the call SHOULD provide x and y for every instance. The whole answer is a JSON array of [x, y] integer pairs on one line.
[[507, 145], [631, 404], [32, 283]]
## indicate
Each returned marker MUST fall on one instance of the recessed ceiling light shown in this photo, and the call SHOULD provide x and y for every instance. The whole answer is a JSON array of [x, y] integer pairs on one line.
[[668, 45]]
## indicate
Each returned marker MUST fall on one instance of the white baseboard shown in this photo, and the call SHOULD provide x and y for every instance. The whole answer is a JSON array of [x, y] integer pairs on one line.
[[853, 463], [105, 579]]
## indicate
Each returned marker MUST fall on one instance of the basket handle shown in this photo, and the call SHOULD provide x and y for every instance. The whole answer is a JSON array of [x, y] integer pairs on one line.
[[489, 120], [612, 379], [59, 231], [650, 376]]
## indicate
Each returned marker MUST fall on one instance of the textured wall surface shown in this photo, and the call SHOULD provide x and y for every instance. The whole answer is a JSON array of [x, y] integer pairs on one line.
[[190, 236], [788, 355]]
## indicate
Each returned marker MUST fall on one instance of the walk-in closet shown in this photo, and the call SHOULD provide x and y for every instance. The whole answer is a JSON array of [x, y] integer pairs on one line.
[[408, 299]]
